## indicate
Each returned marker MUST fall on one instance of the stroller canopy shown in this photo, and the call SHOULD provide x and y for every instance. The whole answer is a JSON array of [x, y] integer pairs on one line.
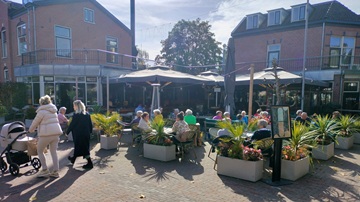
[[13, 127]]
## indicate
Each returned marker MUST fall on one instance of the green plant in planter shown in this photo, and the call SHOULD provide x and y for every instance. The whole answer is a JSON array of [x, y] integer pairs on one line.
[[160, 138], [234, 147], [107, 123], [30, 112], [297, 147], [347, 125], [324, 129], [252, 126]]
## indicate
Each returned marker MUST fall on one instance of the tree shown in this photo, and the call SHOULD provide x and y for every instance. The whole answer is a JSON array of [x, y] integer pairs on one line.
[[190, 43], [142, 58]]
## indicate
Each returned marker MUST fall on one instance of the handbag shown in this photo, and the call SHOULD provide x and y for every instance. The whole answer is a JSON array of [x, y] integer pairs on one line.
[[32, 147]]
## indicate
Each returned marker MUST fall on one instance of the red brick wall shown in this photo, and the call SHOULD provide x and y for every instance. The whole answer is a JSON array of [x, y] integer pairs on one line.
[[4, 22]]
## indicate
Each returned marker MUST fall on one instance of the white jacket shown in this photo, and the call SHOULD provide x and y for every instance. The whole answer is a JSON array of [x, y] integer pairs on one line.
[[46, 121]]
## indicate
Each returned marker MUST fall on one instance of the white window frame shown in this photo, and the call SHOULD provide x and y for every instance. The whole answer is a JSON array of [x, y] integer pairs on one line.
[[112, 58], [272, 18], [60, 54], [296, 13], [21, 36], [273, 48], [3, 43], [357, 84], [252, 21], [89, 15], [342, 50]]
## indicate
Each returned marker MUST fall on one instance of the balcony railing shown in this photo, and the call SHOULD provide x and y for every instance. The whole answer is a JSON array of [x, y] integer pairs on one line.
[[312, 64], [80, 57]]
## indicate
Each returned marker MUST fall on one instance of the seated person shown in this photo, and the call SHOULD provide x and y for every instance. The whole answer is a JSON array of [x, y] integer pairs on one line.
[[245, 118], [158, 116], [218, 115], [137, 118], [265, 115], [179, 128], [63, 121], [298, 114], [262, 132], [304, 119], [174, 114], [144, 123], [189, 117], [227, 117], [257, 114]]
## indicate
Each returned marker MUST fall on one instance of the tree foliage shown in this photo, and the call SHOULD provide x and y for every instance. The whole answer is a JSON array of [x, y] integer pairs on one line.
[[191, 43], [142, 58]]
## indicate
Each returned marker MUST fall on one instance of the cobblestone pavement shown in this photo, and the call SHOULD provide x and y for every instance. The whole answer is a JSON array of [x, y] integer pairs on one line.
[[124, 175]]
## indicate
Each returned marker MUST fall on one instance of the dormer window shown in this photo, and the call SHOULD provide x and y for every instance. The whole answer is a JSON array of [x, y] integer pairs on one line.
[[253, 21], [274, 18], [298, 13]]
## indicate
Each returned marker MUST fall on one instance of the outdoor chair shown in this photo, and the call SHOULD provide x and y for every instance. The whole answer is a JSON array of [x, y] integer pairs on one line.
[[214, 143], [188, 144], [126, 128], [266, 146], [138, 135], [196, 129]]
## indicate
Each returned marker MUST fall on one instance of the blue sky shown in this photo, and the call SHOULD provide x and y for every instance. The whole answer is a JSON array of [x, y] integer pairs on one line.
[[155, 18]]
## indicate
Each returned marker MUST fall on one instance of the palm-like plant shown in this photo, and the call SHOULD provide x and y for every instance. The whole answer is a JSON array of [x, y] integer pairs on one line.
[[324, 129], [301, 140], [160, 138], [347, 125], [107, 123], [232, 147]]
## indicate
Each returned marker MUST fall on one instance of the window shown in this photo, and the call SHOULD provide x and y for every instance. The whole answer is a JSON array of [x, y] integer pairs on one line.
[[63, 41], [252, 22], [89, 15], [6, 74], [3, 43], [21, 34], [273, 52], [274, 18], [112, 46], [351, 86], [298, 13], [341, 51]]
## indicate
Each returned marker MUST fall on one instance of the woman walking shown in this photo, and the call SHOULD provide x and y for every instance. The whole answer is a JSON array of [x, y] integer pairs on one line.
[[81, 128], [49, 130]]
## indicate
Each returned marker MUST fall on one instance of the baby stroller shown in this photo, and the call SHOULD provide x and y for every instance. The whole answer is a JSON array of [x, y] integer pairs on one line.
[[13, 138]]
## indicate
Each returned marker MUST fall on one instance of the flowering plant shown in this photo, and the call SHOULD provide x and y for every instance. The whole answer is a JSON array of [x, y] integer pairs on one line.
[[251, 154], [292, 154]]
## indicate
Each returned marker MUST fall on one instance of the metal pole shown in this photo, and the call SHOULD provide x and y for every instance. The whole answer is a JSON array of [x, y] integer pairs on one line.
[[304, 58], [251, 90], [107, 94]]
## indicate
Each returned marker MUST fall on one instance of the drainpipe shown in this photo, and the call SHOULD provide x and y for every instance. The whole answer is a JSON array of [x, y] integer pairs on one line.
[[34, 24], [133, 47], [304, 58], [322, 45]]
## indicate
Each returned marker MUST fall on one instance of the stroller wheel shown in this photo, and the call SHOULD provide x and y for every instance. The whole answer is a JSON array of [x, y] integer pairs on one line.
[[35, 162], [3, 165], [14, 169]]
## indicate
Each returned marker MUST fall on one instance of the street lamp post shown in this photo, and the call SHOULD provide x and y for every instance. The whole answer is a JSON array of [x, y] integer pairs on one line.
[[304, 58]]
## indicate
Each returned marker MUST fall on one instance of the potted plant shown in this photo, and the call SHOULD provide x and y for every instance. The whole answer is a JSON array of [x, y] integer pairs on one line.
[[296, 158], [3, 113], [236, 160], [159, 146], [324, 129], [109, 128], [30, 113], [345, 135]]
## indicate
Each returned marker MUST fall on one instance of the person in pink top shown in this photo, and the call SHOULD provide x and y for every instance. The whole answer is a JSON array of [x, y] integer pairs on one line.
[[63, 121], [218, 115]]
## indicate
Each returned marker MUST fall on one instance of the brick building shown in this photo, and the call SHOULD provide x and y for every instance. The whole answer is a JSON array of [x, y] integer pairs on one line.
[[332, 54], [63, 48]]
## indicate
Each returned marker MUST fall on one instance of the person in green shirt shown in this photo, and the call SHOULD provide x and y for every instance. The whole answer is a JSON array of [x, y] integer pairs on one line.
[[189, 117]]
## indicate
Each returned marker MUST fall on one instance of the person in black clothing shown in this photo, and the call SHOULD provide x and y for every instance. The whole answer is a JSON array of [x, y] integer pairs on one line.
[[262, 132], [81, 128], [304, 119]]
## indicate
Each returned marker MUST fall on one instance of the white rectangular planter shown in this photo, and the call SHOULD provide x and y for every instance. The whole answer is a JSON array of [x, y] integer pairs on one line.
[[246, 170], [344, 142], [159, 152], [108, 142], [323, 152], [293, 170], [356, 138]]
